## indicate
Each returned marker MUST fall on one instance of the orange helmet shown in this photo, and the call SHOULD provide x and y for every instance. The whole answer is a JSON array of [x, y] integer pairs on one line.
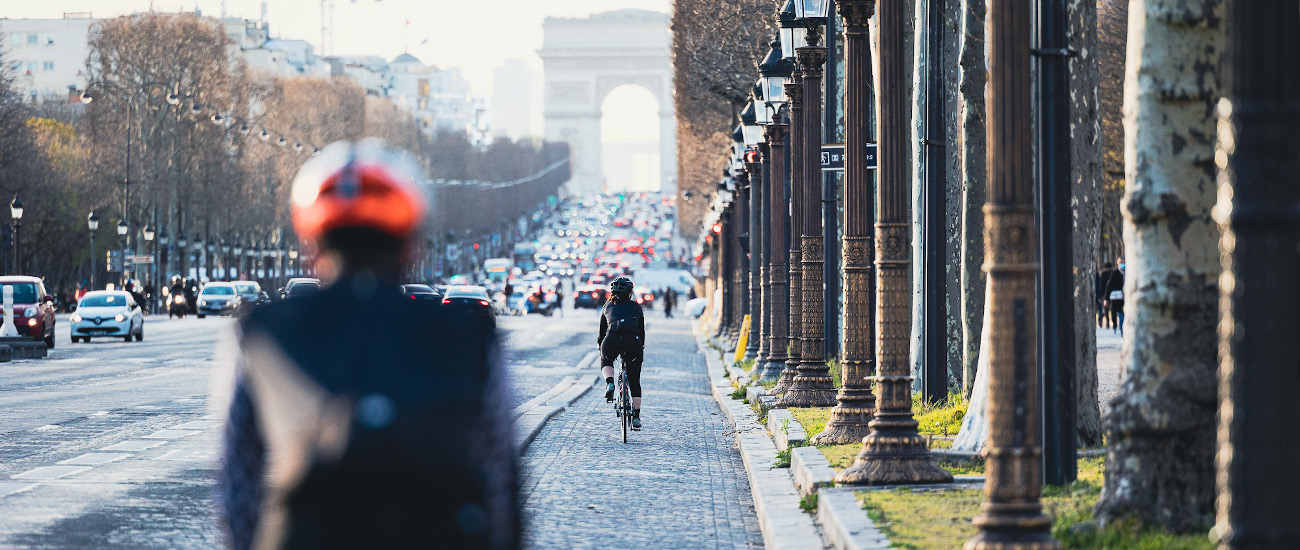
[[362, 184]]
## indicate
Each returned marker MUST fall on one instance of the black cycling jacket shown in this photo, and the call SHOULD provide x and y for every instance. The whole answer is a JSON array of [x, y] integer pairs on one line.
[[624, 318], [450, 483]]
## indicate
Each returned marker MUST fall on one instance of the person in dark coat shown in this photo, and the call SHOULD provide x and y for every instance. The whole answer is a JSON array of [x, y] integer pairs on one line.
[[389, 429]]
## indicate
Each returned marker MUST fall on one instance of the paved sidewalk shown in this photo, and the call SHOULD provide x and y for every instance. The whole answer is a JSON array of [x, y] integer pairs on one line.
[[679, 483]]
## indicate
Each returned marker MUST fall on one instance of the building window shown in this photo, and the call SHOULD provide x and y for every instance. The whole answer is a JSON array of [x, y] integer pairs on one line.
[[32, 38], [48, 66]]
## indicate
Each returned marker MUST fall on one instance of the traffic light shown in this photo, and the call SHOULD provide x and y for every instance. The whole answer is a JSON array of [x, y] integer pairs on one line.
[[475, 246]]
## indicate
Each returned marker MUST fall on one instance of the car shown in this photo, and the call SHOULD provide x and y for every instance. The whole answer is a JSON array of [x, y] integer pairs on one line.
[[250, 296], [107, 313], [468, 299], [33, 308], [217, 299], [423, 293], [299, 286], [590, 296]]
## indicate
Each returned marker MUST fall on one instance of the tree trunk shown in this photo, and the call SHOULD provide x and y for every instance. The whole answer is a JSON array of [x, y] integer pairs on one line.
[[951, 21], [1085, 165], [1161, 429], [974, 426], [973, 74], [920, 98]]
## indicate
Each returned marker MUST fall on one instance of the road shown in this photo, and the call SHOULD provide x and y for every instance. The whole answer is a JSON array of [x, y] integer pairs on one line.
[[112, 444]]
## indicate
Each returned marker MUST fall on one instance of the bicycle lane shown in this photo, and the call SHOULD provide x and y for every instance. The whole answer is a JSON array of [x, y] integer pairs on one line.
[[679, 483]]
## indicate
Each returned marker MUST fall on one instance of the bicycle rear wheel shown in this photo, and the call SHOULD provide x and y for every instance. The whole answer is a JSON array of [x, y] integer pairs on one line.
[[625, 399]]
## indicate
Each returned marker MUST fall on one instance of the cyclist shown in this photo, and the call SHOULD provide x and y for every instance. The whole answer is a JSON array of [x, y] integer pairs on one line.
[[375, 430], [622, 334]]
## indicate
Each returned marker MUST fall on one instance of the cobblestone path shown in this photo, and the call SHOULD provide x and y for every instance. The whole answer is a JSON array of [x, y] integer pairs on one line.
[[679, 483]]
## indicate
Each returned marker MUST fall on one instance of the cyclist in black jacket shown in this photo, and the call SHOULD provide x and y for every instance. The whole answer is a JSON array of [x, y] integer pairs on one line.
[[622, 334]]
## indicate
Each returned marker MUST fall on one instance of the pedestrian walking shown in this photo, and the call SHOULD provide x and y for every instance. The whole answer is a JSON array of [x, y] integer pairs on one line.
[[1099, 288], [1114, 285], [383, 431], [670, 299]]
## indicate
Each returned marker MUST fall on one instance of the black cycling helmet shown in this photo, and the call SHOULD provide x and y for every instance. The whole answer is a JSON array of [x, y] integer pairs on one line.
[[621, 285]]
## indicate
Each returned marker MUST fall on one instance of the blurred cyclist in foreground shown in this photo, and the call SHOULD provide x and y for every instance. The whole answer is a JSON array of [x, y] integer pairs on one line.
[[360, 418]]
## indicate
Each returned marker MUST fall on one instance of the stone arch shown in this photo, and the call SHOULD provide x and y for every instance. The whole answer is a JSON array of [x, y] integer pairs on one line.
[[584, 59]]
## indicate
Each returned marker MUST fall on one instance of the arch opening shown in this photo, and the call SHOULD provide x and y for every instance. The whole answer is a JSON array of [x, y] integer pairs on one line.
[[630, 140]]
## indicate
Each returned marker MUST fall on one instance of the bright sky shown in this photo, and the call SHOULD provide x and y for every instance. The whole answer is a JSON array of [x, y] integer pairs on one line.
[[494, 30]]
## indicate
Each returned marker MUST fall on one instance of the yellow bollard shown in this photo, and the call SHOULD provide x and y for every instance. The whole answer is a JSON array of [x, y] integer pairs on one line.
[[743, 340]]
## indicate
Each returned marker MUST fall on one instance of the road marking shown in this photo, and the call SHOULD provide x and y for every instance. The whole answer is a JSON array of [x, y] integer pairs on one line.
[[170, 433], [133, 445], [46, 473], [8, 488], [95, 459], [100, 413], [48, 428], [198, 425]]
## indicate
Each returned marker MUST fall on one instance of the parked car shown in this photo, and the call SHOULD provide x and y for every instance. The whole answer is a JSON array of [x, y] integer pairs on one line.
[[217, 299], [33, 308], [590, 296], [111, 313], [471, 300]]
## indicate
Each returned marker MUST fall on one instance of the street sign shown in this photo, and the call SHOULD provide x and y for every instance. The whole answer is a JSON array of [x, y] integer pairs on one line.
[[148, 259], [833, 157]]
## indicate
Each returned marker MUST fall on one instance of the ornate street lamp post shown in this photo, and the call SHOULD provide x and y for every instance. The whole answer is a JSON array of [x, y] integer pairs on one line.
[[753, 134], [92, 223], [811, 386], [16, 214], [775, 72], [182, 256], [793, 36], [1259, 216], [1011, 516], [855, 401], [894, 452]]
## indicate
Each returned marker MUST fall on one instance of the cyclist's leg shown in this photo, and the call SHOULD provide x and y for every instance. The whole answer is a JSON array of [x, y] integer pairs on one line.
[[632, 359], [607, 354]]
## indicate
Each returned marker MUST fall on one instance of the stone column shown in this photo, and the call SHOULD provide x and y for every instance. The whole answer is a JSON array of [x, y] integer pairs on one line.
[[794, 91], [812, 386], [1259, 215], [1011, 516], [778, 301], [753, 203], [855, 402], [893, 452]]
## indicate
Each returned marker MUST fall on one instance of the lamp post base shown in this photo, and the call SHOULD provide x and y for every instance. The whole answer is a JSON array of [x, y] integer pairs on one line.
[[849, 419], [1013, 527], [893, 457], [811, 387]]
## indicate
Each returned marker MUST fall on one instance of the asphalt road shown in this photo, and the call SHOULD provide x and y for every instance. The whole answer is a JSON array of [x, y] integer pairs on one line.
[[113, 444]]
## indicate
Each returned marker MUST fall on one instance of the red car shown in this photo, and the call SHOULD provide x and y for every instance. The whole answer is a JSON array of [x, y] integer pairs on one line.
[[33, 308]]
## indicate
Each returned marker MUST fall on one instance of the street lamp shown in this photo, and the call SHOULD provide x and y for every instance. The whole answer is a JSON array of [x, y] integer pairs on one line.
[[751, 132], [16, 212], [793, 33], [775, 71], [163, 266], [122, 230], [149, 234], [184, 255], [92, 222]]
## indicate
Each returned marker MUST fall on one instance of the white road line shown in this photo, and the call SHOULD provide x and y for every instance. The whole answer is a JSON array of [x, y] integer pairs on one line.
[[95, 459], [47, 473]]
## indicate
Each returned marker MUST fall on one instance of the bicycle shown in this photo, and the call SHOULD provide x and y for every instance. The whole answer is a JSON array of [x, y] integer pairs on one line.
[[623, 404]]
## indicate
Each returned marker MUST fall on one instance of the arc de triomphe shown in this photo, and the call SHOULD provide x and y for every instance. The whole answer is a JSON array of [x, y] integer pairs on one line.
[[586, 58]]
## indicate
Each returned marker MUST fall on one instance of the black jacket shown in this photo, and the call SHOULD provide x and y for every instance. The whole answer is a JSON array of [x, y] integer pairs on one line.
[[624, 319], [447, 475]]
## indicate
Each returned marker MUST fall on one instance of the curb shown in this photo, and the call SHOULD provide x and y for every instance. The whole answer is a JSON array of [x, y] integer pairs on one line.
[[533, 414], [812, 472], [786, 431], [776, 501], [846, 525]]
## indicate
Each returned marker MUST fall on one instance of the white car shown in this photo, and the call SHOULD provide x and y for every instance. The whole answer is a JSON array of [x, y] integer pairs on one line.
[[111, 313]]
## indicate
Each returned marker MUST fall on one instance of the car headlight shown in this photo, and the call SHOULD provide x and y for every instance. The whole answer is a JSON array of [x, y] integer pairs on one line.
[[31, 322], [29, 312], [119, 317], [75, 318], [203, 302]]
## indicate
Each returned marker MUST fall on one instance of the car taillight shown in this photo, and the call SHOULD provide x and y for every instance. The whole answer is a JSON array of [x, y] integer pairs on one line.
[[31, 322], [412, 296], [446, 300], [484, 302]]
